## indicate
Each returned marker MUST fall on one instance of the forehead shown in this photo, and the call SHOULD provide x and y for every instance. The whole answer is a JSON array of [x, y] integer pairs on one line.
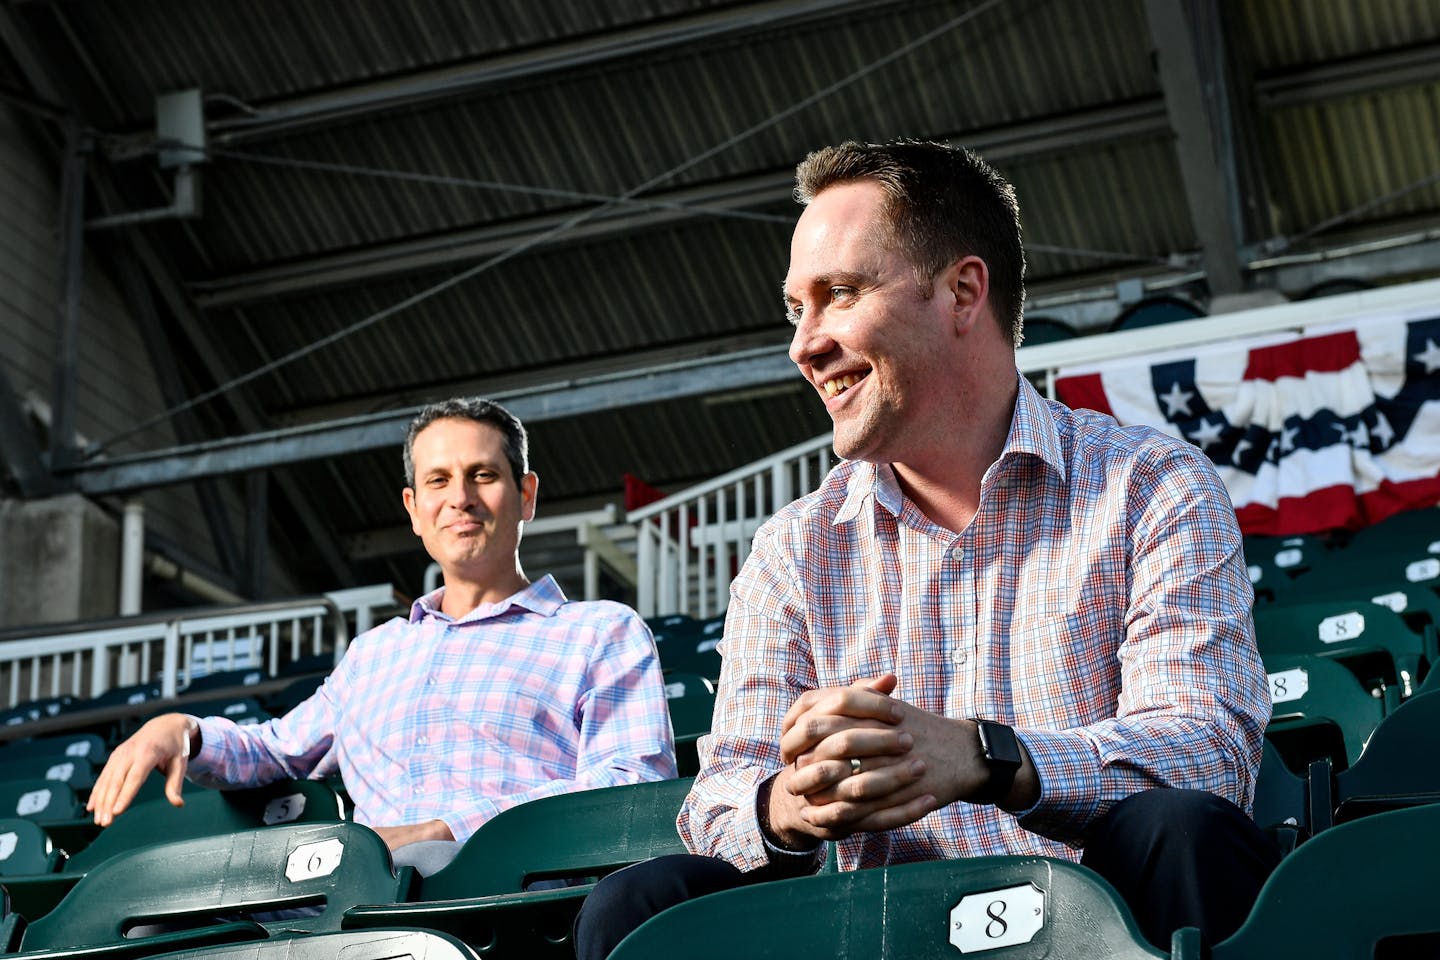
[[451, 440], [841, 230]]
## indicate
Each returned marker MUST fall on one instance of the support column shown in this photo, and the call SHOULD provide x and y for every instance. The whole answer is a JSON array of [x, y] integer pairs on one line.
[[132, 557]]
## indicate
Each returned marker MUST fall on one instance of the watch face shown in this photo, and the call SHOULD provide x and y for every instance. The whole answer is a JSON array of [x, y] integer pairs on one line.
[[999, 743]]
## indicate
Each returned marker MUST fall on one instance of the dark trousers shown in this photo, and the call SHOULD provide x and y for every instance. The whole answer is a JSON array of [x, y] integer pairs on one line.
[[1178, 858]]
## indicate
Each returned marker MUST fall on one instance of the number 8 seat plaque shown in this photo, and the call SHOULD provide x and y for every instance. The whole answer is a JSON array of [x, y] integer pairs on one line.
[[997, 918]]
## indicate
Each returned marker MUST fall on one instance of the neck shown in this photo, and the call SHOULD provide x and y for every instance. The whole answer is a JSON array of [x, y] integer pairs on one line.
[[462, 596], [943, 479]]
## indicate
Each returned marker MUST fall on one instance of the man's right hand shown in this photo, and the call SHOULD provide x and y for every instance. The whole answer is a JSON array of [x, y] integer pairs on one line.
[[820, 733], [165, 743]]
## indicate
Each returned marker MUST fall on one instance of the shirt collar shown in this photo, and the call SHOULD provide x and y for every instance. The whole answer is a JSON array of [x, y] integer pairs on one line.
[[1032, 432], [543, 597]]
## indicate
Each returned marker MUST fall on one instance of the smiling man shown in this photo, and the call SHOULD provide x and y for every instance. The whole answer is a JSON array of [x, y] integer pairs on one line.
[[1000, 627], [493, 691]]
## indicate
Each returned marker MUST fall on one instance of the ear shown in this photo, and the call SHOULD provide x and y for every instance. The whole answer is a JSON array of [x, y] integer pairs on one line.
[[966, 288], [529, 486], [408, 496]]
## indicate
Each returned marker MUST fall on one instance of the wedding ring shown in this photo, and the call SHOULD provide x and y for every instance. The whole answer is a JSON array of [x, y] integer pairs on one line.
[[854, 766]]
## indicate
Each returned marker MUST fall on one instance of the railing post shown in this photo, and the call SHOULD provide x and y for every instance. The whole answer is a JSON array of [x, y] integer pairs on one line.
[[645, 556], [170, 668]]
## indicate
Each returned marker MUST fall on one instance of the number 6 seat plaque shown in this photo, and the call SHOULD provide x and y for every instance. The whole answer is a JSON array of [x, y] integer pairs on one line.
[[997, 918]]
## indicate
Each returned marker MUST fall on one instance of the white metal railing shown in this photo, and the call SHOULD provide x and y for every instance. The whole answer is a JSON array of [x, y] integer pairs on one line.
[[690, 544], [690, 541], [183, 645]]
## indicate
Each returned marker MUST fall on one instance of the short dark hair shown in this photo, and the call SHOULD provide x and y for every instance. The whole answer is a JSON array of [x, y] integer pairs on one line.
[[480, 410], [943, 203]]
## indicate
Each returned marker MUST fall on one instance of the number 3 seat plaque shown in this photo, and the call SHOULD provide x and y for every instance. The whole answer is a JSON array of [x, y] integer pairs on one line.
[[997, 918]]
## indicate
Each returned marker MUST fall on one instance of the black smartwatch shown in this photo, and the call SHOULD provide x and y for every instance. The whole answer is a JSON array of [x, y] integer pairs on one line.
[[1002, 755]]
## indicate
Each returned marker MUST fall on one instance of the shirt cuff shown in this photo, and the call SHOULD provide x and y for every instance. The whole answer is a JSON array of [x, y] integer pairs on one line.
[[1069, 774]]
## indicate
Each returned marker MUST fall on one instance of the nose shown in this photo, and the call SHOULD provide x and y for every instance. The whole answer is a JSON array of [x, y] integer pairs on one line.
[[809, 341], [462, 493]]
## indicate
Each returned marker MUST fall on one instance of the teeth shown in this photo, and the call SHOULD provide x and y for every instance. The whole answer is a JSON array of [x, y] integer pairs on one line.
[[839, 385]]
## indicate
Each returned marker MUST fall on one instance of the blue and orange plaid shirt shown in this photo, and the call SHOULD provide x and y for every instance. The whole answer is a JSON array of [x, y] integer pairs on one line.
[[432, 718], [1098, 602]]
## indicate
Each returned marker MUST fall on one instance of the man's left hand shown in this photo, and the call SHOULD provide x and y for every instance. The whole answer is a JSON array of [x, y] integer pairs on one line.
[[397, 837]]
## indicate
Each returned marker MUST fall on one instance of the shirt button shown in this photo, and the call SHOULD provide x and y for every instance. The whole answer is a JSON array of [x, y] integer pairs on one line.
[[430, 681], [422, 741], [959, 656], [957, 553]]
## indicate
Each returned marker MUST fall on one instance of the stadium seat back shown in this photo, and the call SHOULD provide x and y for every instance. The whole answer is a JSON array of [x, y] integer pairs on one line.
[[25, 848], [1361, 889], [1280, 796], [40, 800], [482, 895], [1372, 640], [223, 679], [75, 746], [691, 699], [1018, 908], [144, 900], [1313, 700], [77, 772], [345, 944], [1400, 766], [210, 813], [241, 710]]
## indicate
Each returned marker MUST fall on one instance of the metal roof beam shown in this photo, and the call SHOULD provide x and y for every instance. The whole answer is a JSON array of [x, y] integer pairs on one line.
[[272, 448], [1190, 57], [1050, 135], [308, 112], [1358, 76]]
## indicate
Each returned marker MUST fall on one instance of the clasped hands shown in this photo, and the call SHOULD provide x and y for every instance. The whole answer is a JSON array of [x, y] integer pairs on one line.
[[911, 762]]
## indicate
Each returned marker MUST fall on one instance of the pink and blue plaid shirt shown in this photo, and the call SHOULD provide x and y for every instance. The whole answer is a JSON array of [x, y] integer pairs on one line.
[[1098, 602], [434, 718]]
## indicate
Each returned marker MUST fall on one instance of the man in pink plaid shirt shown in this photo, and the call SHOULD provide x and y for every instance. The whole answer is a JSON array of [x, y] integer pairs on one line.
[[492, 692], [1000, 627]]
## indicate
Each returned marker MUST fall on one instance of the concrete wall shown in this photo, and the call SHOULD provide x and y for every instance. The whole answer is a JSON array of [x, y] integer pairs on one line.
[[115, 389], [60, 561]]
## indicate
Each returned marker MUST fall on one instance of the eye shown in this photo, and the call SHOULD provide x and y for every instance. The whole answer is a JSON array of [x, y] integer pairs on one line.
[[793, 313], [840, 294]]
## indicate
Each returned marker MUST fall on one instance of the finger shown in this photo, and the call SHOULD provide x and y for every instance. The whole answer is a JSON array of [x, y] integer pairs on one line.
[[827, 736], [135, 775], [846, 703], [894, 809], [175, 781], [835, 781], [883, 685], [863, 742]]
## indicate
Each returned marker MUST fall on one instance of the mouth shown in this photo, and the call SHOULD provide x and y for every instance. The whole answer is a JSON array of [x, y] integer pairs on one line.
[[838, 385]]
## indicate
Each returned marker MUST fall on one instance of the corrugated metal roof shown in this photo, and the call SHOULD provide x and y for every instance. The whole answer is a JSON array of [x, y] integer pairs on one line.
[[1065, 98]]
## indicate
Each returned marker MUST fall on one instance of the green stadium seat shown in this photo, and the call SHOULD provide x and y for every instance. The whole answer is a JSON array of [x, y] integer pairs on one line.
[[484, 895], [121, 696], [1373, 641], [206, 813], [1279, 566], [223, 679], [1362, 889], [78, 772], [210, 890], [83, 746], [1040, 330], [44, 801], [691, 698], [35, 710], [1399, 768], [1318, 709], [345, 944], [242, 710], [1007, 907], [1281, 800], [25, 847], [672, 626]]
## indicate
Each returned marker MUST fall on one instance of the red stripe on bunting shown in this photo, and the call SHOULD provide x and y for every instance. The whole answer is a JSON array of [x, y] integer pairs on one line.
[[1338, 507], [1328, 354], [1083, 392]]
